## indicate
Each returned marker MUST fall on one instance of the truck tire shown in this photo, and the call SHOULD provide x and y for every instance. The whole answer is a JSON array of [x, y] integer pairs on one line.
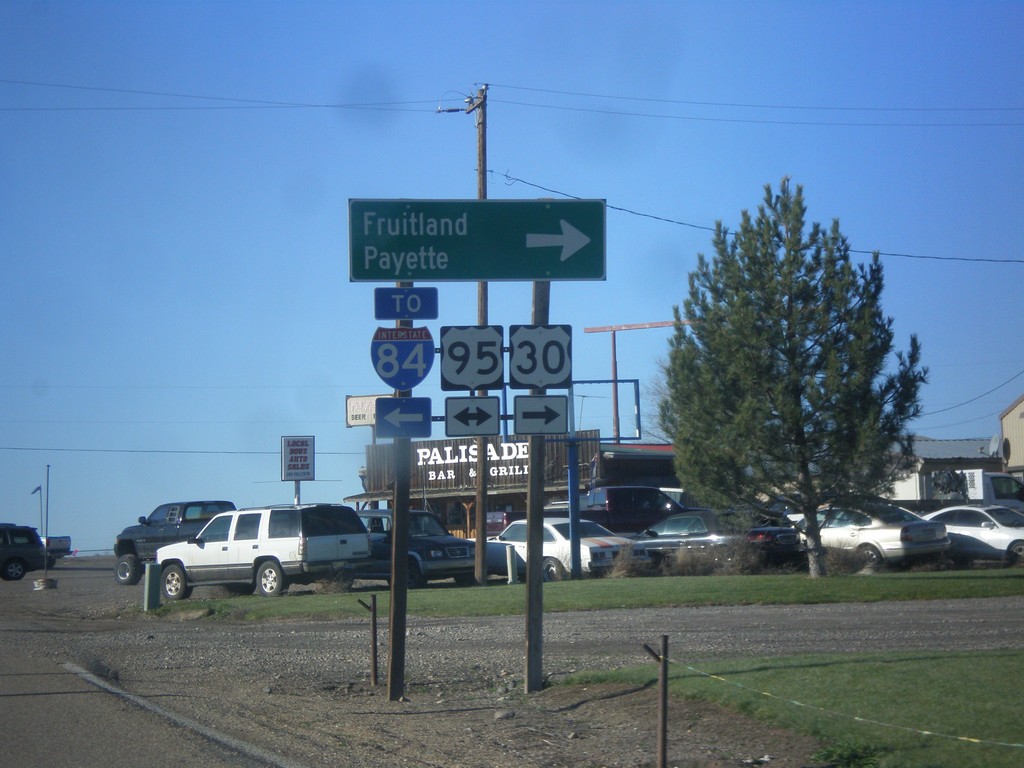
[[270, 579], [128, 570], [12, 570], [173, 585], [1015, 553], [414, 575]]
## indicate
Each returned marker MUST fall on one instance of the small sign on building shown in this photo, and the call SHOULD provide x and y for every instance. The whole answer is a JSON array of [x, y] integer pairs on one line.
[[361, 410], [298, 456]]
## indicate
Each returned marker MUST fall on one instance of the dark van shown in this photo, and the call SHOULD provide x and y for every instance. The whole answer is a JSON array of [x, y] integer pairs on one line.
[[628, 509]]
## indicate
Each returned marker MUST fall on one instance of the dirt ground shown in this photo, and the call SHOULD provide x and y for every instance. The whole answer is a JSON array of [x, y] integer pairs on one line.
[[301, 690]]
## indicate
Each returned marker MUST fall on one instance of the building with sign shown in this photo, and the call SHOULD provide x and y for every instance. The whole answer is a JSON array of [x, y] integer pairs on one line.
[[444, 473]]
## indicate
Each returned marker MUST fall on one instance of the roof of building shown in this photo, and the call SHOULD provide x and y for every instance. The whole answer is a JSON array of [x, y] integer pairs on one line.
[[964, 448]]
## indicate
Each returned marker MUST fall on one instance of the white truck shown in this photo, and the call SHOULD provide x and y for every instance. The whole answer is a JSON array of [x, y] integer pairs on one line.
[[56, 548], [965, 486]]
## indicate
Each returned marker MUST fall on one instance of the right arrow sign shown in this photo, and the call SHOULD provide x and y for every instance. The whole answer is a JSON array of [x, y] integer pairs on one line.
[[541, 414], [432, 240]]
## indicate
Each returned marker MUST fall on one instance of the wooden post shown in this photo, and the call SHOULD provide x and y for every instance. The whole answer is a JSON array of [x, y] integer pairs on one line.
[[535, 527]]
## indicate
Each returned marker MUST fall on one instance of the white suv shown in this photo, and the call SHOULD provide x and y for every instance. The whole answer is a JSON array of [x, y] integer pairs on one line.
[[265, 549]]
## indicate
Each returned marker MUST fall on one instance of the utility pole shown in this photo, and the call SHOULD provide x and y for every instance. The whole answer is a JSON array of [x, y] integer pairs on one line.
[[479, 106], [612, 329]]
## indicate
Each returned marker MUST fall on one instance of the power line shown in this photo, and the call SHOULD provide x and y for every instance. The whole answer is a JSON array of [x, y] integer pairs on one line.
[[170, 451], [973, 259], [764, 121], [759, 106], [237, 103], [983, 394]]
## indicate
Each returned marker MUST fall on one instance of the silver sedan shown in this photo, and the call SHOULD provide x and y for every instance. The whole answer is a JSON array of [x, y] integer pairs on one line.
[[983, 532]]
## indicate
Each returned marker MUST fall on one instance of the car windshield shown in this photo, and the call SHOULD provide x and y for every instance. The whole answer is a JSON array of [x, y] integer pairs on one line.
[[587, 529], [1008, 517], [425, 525]]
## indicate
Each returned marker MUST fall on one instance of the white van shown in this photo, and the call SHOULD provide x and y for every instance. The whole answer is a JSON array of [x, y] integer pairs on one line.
[[265, 549]]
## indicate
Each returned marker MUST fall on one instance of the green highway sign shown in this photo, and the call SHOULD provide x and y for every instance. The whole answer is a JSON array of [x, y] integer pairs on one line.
[[474, 240]]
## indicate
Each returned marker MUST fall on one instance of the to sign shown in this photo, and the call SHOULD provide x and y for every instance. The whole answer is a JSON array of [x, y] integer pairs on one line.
[[472, 357], [402, 357], [405, 303], [540, 356]]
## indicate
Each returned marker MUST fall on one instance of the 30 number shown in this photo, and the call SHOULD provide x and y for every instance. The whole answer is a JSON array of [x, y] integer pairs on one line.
[[552, 358]]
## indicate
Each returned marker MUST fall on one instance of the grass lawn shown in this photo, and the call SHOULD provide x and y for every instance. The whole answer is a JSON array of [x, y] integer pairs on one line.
[[891, 710]]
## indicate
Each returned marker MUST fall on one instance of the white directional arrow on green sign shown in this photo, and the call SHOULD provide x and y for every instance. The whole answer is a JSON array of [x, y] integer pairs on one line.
[[472, 240]]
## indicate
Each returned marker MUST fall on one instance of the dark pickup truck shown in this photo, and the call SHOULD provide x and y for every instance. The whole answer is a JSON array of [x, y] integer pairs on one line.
[[168, 523]]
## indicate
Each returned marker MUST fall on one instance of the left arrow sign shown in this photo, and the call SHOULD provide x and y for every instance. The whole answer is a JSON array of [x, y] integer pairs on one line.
[[403, 417]]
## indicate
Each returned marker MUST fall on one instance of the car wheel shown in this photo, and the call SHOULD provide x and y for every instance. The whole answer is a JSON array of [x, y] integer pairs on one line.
[[1015, 553], [270, 579], [552, 569], [128, 570], [465, 579], [415, 577], [173, 585], [13, 570], [870, 555]]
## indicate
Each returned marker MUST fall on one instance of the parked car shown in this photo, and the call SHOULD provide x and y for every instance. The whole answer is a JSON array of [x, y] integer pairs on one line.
[[175, 521], [986, 532], [882, 533], [694, 529], [21, 551], [265, 549], [698, 528], [598, 548], [433, 552], [628, 509]]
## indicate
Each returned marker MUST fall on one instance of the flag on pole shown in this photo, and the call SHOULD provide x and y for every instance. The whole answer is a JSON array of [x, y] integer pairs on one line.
[[38, 488]]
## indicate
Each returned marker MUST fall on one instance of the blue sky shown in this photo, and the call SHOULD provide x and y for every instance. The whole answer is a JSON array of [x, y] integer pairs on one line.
[[174, 180]]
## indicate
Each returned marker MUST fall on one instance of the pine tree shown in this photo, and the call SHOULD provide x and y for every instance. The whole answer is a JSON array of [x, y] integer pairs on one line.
[[782, 392]]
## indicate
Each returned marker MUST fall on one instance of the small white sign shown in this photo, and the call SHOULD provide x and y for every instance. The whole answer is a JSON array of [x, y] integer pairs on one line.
[[298, 458], [361, 410]]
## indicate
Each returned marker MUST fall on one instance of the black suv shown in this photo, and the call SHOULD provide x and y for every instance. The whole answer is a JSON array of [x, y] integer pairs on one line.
[[21, 551], [166, 524], [433, 552]]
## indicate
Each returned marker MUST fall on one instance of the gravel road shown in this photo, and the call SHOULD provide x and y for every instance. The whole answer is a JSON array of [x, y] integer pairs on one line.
[[301, 689]]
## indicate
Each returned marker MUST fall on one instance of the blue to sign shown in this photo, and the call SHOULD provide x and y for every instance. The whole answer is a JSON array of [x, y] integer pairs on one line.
[[402, 357], [405, 303], [403, 417]]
